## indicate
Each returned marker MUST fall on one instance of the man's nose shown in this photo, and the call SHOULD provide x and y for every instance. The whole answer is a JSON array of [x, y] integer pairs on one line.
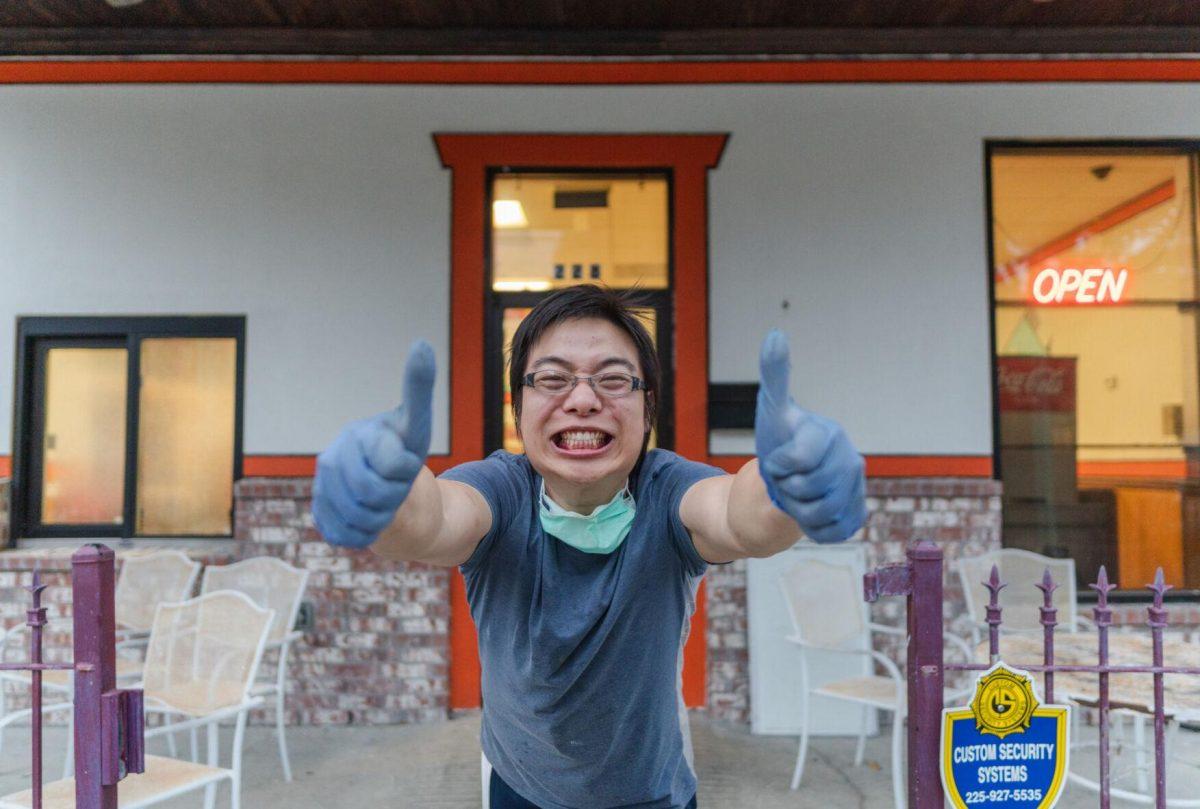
[[582, 398]]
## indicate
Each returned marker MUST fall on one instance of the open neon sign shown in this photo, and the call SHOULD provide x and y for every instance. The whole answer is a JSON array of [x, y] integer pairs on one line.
[[1071, 286]]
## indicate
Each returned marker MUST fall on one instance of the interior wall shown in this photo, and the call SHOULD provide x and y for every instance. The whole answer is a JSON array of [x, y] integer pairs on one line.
[[852, 216]]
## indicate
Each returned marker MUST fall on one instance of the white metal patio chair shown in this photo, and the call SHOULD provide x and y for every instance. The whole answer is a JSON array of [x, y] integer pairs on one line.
[[273, 583], [201, 661], [1020, 600], [828, 613], [147, 580]]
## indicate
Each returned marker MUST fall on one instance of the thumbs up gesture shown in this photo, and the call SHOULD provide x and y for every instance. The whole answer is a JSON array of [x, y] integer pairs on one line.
[[812, 471], [366, 473]]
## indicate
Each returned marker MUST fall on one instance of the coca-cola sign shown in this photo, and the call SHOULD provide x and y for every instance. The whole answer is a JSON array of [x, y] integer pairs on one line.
[[1036, 383]]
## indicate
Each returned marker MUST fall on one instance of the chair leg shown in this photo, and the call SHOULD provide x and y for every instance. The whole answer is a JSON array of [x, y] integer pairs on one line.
[[280, 676], [210, 791], [862, 736], [1139, 752], [802, 753], [897, 759], [283, 751]]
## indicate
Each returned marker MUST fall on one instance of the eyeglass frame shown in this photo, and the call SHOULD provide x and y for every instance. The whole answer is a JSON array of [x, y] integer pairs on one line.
[[637, 383]]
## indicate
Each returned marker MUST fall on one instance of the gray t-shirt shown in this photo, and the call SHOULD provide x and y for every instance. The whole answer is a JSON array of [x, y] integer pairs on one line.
[[582, 653]]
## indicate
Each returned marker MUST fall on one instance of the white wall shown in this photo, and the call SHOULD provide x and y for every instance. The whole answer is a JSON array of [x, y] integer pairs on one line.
[[322, 214]]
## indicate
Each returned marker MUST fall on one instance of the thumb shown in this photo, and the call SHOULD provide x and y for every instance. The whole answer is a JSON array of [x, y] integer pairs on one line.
[[416, 412], [774, 366]]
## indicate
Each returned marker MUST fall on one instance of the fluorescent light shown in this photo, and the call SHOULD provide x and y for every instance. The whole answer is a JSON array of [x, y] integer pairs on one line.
[[508, 213], [520, 286]]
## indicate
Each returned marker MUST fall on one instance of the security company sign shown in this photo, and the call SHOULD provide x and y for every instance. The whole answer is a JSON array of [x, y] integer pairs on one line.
[[1005, 749]]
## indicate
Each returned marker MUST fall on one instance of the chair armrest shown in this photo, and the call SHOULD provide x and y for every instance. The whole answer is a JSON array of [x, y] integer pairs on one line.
[[885, 661], [197, 721]]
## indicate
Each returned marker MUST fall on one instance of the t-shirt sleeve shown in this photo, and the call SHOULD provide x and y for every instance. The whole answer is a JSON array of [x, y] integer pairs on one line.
[[675, 476], [497, 478]]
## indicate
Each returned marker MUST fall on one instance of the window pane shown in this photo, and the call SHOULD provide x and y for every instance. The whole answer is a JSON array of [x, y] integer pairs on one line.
[[83, 480], [1105, 211], [1097, 362], [550, 231], [185, 435]]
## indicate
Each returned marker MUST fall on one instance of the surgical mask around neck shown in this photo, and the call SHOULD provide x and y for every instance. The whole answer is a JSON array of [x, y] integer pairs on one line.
[[602, 531]]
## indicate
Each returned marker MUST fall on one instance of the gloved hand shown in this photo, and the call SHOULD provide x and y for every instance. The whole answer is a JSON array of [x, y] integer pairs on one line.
[[812, 471], [368, 470]]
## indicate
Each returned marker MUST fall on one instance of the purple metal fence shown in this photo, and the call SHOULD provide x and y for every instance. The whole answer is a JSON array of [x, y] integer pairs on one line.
[[108, 721], [920, 579]]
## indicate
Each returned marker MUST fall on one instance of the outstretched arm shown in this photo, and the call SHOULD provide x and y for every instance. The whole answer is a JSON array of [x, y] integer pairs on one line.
[[807, 477], [373, 489]]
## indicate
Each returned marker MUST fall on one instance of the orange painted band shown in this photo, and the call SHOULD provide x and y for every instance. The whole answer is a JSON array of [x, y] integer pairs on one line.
[[1132, 469], [303, 466], [308, 71]]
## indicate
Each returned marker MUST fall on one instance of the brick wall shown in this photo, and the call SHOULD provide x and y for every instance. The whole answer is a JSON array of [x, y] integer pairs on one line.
[[378, 650]]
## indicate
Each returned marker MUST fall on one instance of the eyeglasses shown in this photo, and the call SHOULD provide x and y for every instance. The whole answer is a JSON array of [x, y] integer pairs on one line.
[[555, 383]]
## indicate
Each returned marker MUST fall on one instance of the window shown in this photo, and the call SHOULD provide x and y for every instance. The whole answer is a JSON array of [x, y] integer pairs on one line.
[[127, 426], [1094, 277]]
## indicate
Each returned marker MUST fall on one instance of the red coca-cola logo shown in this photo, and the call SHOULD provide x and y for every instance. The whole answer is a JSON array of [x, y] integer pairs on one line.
[[1036, 383]]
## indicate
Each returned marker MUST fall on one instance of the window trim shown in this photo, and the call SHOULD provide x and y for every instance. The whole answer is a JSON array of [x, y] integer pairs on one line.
[[127, 331]]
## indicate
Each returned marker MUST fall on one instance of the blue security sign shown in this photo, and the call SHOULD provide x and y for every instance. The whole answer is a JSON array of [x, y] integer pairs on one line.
[[1005, 749]]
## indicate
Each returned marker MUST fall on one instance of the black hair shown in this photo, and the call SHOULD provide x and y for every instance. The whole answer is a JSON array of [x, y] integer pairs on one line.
[[575, 303]]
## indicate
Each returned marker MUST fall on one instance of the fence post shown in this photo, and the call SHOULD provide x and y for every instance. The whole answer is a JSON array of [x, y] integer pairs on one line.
[[95, 670], [925, 676]]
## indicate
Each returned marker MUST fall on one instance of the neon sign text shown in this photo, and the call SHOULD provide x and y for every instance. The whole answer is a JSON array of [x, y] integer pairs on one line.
[[1075, 286]]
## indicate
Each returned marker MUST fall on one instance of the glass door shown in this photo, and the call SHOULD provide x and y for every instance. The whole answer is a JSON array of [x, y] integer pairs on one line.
[[553, 230]]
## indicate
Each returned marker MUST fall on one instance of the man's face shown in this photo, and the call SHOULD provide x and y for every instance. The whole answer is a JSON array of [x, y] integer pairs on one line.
[[583, 443]]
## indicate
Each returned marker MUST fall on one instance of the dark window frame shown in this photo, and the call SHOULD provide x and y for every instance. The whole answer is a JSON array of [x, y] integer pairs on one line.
[[1101, 146], [34, 334], [661, 300]]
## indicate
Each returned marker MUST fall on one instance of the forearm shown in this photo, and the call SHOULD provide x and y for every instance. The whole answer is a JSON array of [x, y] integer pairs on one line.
[[761, 528], [418, 521]]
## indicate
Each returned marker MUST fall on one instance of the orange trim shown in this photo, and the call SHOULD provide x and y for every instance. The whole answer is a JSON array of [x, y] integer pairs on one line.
[[896, 466], [823, 71], [279, 466], [1132, 469], [878, 466], [1106, 221], [468, 156], [286, 466], [5, 466]]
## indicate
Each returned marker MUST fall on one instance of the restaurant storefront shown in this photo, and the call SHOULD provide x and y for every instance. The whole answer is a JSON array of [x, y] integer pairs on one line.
[[996, 302]]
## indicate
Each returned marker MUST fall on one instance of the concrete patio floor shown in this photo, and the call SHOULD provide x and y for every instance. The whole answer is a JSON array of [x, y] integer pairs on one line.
[[437, 767]]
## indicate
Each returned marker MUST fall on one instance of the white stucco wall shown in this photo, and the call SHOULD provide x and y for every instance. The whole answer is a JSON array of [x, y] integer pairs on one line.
[[321, 213]]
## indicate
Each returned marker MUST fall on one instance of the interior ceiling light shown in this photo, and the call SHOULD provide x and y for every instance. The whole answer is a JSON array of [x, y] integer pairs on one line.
[[508, 213], [1102, 171]]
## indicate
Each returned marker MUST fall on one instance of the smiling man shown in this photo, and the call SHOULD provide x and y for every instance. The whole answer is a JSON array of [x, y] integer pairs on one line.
[[582, 556]]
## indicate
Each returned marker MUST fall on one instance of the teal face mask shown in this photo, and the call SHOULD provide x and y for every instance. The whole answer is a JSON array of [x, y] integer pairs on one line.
[[602, 531]]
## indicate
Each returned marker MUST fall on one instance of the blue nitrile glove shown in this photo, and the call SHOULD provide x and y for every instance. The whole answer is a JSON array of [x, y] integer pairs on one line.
[[365, 474], [812, 471]]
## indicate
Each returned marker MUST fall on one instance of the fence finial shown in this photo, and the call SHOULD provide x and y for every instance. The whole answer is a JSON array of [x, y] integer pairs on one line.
[[1047, 586], [1101, 613]]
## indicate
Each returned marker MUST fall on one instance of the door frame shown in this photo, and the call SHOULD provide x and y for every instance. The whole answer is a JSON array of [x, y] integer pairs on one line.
[[470, 158]]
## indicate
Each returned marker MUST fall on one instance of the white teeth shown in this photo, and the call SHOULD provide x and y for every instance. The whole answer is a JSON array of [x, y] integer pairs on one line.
[[582, 439]]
